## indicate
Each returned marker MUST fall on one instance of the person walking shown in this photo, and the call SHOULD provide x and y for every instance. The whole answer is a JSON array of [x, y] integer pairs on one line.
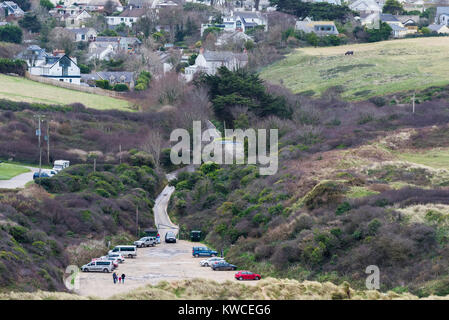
[[114, 277], [123, 278], [119, 279]]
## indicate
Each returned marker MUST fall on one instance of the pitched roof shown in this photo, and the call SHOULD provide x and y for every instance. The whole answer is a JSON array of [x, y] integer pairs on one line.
[[395, 27], [387, 17], [442, 10], [110, 75], [134, 12]]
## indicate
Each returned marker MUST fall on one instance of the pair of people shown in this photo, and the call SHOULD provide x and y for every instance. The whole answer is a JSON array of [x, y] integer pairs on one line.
[[120, 279]]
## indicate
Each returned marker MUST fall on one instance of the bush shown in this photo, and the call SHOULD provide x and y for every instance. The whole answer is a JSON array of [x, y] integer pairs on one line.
[[103, 84], [10, 33], [13, 66], [121, 87]]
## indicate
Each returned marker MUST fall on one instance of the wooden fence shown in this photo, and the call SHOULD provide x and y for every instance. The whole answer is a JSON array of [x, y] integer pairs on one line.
[[72, 86]]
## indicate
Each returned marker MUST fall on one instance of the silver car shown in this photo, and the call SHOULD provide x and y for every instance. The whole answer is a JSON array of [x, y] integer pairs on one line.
[[98, 266], [210, 261]]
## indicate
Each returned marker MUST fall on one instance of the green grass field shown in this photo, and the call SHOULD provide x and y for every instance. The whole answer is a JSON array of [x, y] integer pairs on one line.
[[375, 69], [21, 89], [436, 158], [8, 170]]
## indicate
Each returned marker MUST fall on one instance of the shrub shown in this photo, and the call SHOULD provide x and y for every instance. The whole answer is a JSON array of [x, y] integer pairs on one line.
[[10, 33], [13, 66], [103, 84], [121, 87]]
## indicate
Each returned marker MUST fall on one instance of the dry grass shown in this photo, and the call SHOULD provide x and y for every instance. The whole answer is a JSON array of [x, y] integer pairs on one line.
[[417, 213], [267, 289]]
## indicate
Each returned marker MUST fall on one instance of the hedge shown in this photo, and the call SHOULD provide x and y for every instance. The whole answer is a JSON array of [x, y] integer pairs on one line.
[[13, 66]]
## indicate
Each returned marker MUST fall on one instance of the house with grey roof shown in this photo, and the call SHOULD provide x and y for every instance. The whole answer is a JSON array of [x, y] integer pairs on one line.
[[129, 16], [320, 28], [83, 34], [442, 15], [114, 77], [209, 61], [57, 66], [127, 44], [439, 28], [240, 21], [12, 9]]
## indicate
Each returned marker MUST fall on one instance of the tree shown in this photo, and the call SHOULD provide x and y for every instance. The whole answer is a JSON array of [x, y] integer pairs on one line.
[[383, 33], [10, 33], [393, 7], [30, 22], [192, 59], [317, 11], [46, 4]]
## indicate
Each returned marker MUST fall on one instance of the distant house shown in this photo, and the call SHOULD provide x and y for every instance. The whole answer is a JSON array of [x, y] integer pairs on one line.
[[99, 5], [12, 9], [366, 7], [209, 61], [57, 66], [128, 44], [129, 16], [442, 15], [439, 28], [408, 20], [240, 21], [100, 51], [320, 28], [75, 20], [334, 2], [83, 34], [399, 30], [114, 77], [232, 37]]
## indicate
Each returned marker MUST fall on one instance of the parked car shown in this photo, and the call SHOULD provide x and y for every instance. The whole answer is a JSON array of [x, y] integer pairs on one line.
[[127, 251], [210, 261], [59, 165], [118, 256], [98, 266], [170, 237], [203, 252], [145, 242], [114, 260], [247, 275], [42, 175], [223, 265]]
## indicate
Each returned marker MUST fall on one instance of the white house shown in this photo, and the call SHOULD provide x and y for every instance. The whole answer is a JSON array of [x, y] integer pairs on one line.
[[129, 16], [366, 7], [240, 21], [56, 66], [320, 28], [83, 34], [77, 19], [12, 9], [209, 61], [100, 51], [442, 15], [98, 5]]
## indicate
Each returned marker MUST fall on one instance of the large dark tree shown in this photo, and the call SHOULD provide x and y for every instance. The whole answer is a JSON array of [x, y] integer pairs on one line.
[[30, 22], [228, 89], [393, 7], [10, 33]]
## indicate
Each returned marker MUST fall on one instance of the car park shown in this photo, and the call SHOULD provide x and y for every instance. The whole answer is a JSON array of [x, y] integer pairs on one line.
[[203, 252], [126, 251], [210, 261], [170, 237], [223, 266], [98, 266], [247, 275], [145, 242]]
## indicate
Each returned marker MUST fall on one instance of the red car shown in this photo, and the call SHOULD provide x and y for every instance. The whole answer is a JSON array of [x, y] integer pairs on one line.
[[247, 275]]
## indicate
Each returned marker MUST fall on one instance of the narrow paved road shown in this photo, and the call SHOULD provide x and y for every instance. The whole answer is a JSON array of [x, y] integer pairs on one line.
[[20, 180]]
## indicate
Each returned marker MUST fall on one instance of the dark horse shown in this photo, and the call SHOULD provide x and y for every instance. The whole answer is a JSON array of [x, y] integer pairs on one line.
[[349, 53]]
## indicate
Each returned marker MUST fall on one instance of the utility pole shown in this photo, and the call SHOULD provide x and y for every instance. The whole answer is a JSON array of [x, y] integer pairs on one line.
[[413, 102], [48, 141], [39, 133], [137, 221]]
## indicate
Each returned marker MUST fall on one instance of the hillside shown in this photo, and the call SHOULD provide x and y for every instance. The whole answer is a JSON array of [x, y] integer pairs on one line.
[[21, 89], [375, 68]]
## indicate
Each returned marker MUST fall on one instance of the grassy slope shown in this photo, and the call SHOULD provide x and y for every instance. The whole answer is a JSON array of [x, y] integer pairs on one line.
[[436, 158], [8, 171], [20, 89], [375, 69]]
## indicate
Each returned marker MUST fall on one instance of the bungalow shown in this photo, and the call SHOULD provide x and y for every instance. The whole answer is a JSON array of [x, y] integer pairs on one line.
[[321, 28], [100, 51], [12, 9], [398, 28], [398, 31], [129, 16], [57, 66], [366, 7], [128, 44], [114, 77], [83, 34], [77, 19], [439, 28], [209, 61]]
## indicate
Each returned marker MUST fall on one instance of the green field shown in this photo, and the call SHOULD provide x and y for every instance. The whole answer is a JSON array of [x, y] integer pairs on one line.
[[375, 69], [8, 170], [21, 89], [436, 158]]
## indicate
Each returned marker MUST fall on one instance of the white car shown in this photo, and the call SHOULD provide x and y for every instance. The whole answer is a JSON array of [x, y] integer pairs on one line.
[[118, 256], [210, 261]]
